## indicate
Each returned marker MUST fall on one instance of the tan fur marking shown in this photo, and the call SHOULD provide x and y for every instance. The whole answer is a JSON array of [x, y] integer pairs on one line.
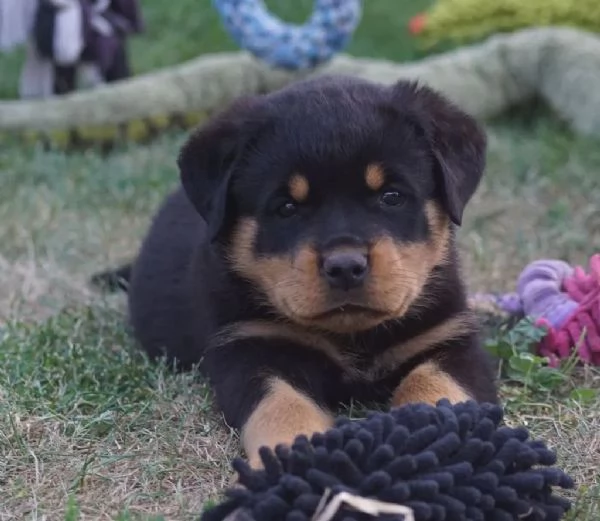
[[299, 188], [293, 285], [439, 226], [283, 414], [456, 326], [401, 270], [297, 335], [374, 177], [428, 383]]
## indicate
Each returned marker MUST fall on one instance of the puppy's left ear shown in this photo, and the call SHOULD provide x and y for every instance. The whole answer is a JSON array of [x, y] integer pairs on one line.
[[458, 144]]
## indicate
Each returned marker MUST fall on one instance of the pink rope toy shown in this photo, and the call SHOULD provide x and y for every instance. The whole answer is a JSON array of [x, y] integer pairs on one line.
[[562, 299]]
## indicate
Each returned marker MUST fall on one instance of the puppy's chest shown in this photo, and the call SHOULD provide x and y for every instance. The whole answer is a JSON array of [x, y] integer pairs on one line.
[[367, 373], [369, 359]]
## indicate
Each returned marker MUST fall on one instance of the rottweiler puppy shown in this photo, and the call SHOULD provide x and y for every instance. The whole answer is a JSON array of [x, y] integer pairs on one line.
[[309, 257]]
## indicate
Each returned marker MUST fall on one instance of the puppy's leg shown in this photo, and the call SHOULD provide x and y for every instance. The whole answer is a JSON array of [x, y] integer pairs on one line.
[[270, 385], [428, 383], [282, 414], [458, 373]]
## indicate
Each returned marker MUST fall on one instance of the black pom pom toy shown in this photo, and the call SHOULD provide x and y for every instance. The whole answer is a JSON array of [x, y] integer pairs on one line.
[[442, 463]]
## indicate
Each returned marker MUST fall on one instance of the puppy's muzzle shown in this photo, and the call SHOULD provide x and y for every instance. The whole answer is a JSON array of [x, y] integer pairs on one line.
[[345, 269]]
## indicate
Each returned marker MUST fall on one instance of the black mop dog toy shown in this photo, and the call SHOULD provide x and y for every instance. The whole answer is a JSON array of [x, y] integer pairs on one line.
[[417, 462]]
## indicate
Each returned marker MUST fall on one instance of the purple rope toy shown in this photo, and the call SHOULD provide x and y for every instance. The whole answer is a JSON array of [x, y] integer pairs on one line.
[[565, 300]]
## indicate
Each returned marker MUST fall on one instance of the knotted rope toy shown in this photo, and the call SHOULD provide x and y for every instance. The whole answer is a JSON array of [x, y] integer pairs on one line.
[[422, 462], [288, 46], [562, 299]]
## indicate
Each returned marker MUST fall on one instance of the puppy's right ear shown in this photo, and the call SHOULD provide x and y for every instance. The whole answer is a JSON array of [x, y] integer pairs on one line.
[[209, 157]]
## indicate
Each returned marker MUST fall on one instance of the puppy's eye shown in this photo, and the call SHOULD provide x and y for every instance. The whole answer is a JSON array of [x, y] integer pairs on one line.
[[392, 199], [287, 209]]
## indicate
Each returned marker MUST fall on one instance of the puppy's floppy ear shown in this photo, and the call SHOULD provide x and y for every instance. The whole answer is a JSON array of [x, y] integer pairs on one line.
[[457, 142], [210, 156]]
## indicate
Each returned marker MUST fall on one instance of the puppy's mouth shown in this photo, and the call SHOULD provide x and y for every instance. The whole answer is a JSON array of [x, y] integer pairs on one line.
[[344, 318], [349, 310]]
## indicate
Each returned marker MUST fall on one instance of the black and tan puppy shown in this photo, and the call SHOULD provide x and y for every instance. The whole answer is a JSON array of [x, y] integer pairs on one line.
[[309, 258]]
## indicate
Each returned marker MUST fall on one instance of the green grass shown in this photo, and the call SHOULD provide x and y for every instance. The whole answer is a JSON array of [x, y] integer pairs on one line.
[[90, 430], [90, 426]]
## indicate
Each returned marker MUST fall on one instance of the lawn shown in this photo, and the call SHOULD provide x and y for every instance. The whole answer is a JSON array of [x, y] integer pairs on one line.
[[90, 430]]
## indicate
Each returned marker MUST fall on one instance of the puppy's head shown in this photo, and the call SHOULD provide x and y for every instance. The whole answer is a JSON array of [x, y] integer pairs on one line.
[[335, 196]]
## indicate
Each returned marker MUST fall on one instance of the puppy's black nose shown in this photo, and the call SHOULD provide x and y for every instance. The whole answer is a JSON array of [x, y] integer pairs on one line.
[[345, 269]]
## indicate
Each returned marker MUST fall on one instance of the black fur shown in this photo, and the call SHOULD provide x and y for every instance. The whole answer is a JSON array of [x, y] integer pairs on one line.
[[183, 290]]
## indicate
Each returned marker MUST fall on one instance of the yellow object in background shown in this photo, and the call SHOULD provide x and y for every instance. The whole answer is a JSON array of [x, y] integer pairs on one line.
[[462, 21]]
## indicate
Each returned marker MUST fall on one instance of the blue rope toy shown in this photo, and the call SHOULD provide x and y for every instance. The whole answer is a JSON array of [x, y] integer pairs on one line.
[[288, 46], [444, 463]]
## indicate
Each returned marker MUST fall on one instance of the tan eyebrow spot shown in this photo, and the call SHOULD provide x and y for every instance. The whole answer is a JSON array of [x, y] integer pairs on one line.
[[299, 188], [374, 177]]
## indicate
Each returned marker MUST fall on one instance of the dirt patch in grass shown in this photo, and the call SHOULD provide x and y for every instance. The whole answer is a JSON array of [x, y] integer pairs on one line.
[[34, 288], [66, 216], [87, 424], [167, 460]]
